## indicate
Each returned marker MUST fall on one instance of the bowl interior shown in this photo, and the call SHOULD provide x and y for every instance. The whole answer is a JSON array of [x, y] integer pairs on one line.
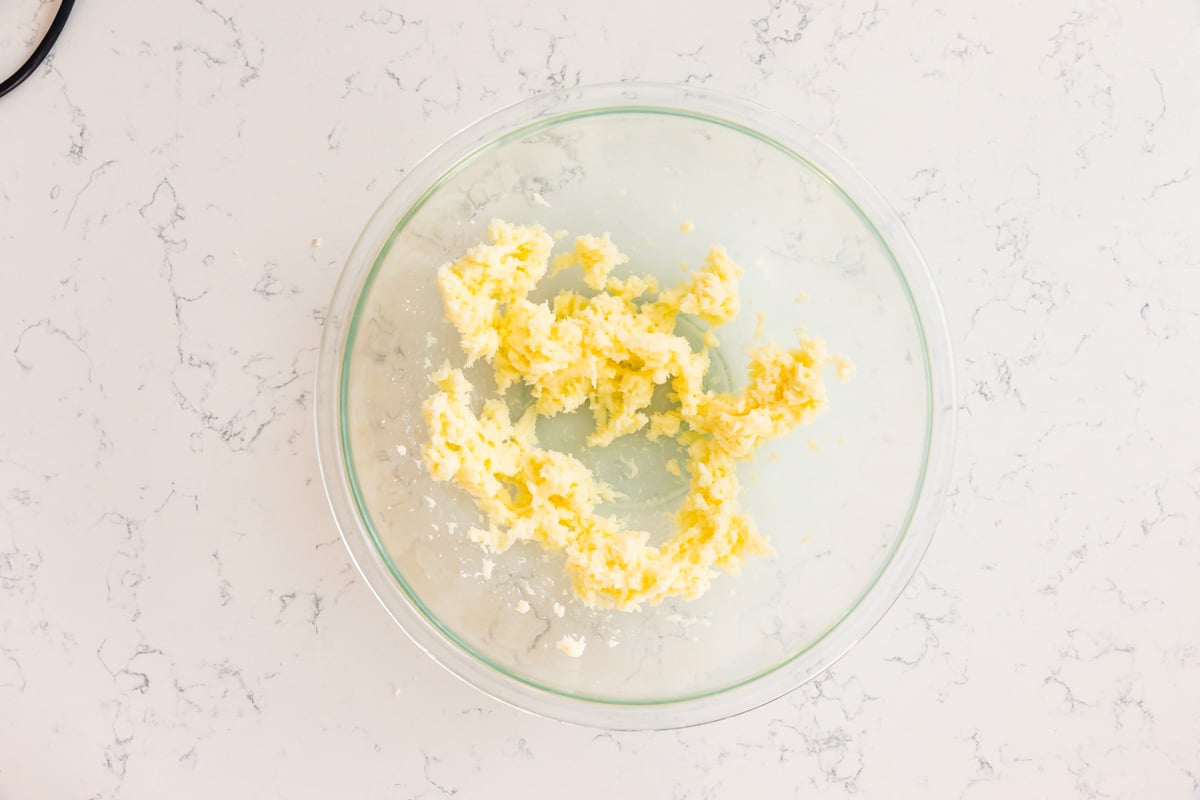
[[834, 498]]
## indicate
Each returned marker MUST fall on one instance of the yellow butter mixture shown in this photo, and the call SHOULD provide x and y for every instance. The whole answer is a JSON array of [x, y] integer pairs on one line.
[[607, 349]]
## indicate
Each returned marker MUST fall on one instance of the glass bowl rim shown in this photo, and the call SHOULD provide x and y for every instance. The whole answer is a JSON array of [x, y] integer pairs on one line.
[[335, 457]]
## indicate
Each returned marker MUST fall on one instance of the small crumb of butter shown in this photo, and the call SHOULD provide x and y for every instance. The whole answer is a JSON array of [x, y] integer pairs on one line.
[[844, 368], [572, 645], [687, 226], [631, 467]]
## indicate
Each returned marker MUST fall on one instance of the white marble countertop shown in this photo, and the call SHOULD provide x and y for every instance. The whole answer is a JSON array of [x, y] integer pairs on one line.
[[178, 189]]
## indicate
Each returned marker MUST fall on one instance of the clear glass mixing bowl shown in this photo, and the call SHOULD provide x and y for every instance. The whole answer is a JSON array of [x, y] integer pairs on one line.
[[849, 502]]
